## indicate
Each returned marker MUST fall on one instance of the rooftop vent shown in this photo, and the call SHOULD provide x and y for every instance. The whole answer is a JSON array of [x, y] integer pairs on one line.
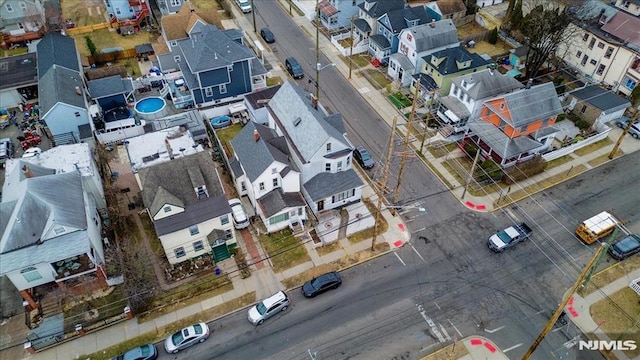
[[297, 121], [256, 136]]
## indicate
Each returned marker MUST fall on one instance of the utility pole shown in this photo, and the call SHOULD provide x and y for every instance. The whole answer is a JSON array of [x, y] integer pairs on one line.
[[290, 11], [253, 13], [424, 138], [599, 260], [405, 147], [473, 168], [381, 188], [317, 53], [613, 152], [568, 296], [351, 48]]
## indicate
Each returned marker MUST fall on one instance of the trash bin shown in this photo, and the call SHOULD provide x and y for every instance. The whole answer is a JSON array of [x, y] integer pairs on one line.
[[218, 271]]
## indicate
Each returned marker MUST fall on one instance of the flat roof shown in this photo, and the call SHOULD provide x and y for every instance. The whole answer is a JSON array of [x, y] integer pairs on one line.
[[152, 148], [62, 158]]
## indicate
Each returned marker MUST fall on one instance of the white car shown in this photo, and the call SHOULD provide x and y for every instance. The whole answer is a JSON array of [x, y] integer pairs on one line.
[[244, 5], [268, 307], [240, 219], [31, 152], [186, 337]]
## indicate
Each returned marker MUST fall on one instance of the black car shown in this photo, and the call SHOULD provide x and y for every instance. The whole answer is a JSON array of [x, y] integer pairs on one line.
[[267, 35], [363, 158], [626, 247], [321, 284], [294, 68]]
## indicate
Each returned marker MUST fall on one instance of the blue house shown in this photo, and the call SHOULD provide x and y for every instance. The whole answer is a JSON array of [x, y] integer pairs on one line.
[[128, 15], [336, 14], [385, 41], [215, 66]]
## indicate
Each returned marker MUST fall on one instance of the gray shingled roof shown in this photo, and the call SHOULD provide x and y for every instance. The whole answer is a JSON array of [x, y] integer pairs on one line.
[[455, 105], [58, 85], [434, 35], [174, 182], [275, 201], [236, 168], [403, 61], [312, 130], [257, 156], [326, 184], [257, 98], [212, 49], [56, 49], [112, 85], [601, 98], [144, 48], [501, 143], [380, 40], [380, 8], [257, 68], [362, 25], [399, 18], [528, 105], [18, 70], [29, 209], [453, 56], [487, 83]]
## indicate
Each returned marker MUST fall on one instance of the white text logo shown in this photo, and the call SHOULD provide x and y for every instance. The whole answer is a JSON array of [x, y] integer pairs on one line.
[[607, 345]]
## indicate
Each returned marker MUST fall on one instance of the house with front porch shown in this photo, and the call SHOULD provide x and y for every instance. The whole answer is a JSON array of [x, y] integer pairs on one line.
[[596, 105], [49, 236], [262, 171], [516, 127], [336, 14], [417, 42], [369, 11], [319, 149], [185, 200], [444, 65], [21, 20], [385, 41], [466, 95]]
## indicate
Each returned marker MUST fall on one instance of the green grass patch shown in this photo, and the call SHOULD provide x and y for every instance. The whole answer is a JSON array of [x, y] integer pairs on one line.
[[593, 147], [273, 81], [107, 39], [399, 100], [13, 52], [92, 310], [378, 79], [328, 249], [226, 135], [361, 60], [132, 66], [443, 150], [559, 161], [284, 250]]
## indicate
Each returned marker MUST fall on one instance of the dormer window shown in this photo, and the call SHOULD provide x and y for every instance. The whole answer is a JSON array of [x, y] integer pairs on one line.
[[328, 147], [464, 83], [59, 230], [174, 43], [166, 209], [201, 192]]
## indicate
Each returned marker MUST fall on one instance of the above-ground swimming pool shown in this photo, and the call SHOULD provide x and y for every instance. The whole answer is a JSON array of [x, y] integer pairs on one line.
[[151, 108]]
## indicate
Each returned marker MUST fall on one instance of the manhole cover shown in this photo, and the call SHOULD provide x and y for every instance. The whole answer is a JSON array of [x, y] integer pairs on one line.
[[328, 225]]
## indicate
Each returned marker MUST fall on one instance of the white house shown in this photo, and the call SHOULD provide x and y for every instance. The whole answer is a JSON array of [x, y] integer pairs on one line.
[[417, 42], [319, 149], [256, 104]]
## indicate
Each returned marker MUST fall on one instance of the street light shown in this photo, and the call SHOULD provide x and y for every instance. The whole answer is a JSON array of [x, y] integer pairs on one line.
[[319, 68]]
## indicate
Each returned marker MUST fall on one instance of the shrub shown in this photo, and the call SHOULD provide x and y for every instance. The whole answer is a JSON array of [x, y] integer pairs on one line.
[[490, 170], [525, 170], [582, 124], [471, 149], [493, 36], [561, 117]]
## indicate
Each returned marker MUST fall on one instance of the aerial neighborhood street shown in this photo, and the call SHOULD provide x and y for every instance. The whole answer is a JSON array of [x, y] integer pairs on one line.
[[319, 179]]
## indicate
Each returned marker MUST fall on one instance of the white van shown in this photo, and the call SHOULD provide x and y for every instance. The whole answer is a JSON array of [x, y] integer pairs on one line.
[[240, 220], [244, 5]]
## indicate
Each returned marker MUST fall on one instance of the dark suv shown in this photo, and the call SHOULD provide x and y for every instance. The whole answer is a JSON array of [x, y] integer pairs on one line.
[[321, 284], [294, 68], [363, 158]]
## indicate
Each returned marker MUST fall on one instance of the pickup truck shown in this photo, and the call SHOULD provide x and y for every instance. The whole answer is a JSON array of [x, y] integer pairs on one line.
[[509, 237]]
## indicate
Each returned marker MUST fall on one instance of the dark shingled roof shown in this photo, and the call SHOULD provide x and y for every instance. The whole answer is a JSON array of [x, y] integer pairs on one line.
[[56, 49], [326, 184], [451, 58], [380, 8], [257, 156], [108, 86], [601, 98], [276, 200], [362, 25], [260, 98], [58, 85], [144, 49], [18, 70]]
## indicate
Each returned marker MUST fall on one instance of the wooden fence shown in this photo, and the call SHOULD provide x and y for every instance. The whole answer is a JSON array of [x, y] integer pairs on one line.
[[101, 58], [86, 29]]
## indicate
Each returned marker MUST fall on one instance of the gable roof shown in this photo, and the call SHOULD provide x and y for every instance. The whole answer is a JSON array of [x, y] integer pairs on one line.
[[499, 142], [622, 26], [257, 156], [305, 127], [275, 201], [362, 25], [259, 99], [177, 26], [112, 85], [212, 49], [56, 49], [398, 18], [528, 105], [326, 184], [451, 58], [434, 35], [487, 83], [18, 70], [58, 85], [601, 98], [381, 7], [451, 6]]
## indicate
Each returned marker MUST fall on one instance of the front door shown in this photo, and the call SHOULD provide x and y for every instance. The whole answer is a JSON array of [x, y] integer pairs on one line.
[[320, 205]]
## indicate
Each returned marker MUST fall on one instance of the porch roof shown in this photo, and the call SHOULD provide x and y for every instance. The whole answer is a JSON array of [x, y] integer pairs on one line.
[[455, 105], [403, 61], [380, 40], [362, 25], [275, 201], [326, 184], [501, 143]]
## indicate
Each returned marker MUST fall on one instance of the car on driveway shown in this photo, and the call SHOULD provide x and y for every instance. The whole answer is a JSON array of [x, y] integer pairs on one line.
[[240, 219], [268, 307], [31, 152], [267, 36], [626, 247], [186, 337], [634, 130], [320, 284], [363, 158], [294, 68], [144, 352]]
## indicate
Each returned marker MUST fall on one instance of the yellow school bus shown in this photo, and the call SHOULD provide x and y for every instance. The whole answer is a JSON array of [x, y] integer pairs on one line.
[[596, 227]]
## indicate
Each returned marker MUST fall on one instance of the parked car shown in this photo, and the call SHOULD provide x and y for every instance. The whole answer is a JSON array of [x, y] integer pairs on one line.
[[6, 150], [294, 68], [267, 35], [268, 307], [240, 219], [626, 247], [220, 122], [31, 152], [322, 283], [244, 5], [144, 352], [186, 337], [634, 130], [363, 158]]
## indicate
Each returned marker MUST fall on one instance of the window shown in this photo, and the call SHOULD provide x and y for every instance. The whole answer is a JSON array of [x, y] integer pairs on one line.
[[327, 167], [339, 165], [77, 114], [224, 219], [578, 54], [20, 25], [299, 211], [279, 218], [339, 197], [261, 186], [584, 60], [502, 106], [585, 37], [118, 11], [600, 69], [176, 58], [591, 43], [198, 245], [176, 3], [593, 62], [174, 43], [328, 147], [275, 182], [601, 45], [59, 230], [584, 109], [223, 88], [635, 64], [193, 230], [8, 7], [348, 160], [608, 53], [31, 274], [274, 170], [166, 209], [629, 83], [208, 91], [625, 4], [243, 186], [179, 252], [23, 6], [228, 234]]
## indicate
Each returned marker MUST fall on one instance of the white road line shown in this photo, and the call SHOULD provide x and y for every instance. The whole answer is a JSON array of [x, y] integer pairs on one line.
[[420, 256], [511, 348], [428, 347], [558, 329], [420, 230], [438, 306], [494, 330], [455, 328], [398, 256]]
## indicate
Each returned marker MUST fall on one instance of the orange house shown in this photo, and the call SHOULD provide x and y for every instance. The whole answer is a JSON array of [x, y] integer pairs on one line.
[[517, 126]]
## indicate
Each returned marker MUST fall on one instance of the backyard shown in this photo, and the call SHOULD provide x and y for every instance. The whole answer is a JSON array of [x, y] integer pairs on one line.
[[84, 12], [106, 38]]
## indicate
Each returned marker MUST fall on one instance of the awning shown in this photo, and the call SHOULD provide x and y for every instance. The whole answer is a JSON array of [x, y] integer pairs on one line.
[[514, 73], [452, 116], [235, 108]]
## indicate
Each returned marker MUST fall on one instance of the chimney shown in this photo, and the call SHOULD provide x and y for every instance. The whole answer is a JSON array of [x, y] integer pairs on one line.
[[256, 136], [433, 23], [78, 91], [169, 149], [27, 172], [529, 83]]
